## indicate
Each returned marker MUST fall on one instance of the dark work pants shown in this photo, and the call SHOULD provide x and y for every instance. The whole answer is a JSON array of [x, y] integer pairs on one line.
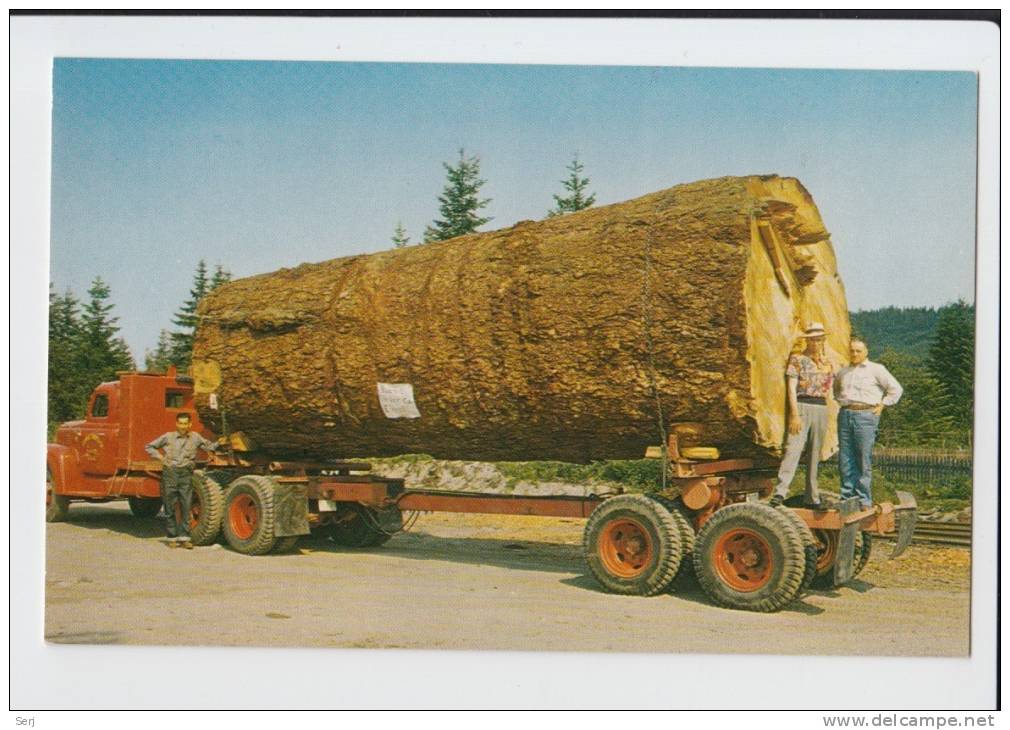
[[177, 494]]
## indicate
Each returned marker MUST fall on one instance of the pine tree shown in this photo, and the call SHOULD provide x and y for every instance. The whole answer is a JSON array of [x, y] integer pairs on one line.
[[922, 417], [459, 203], [181, 350], [221, 276], [67, 391], [102, 352], [400, 237], [576, 185], [161, 358], [952, 360]]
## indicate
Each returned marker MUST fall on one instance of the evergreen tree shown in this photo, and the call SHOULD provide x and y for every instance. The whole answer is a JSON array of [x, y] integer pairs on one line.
[[923, 416], [575, 185], [400, 237], [459, 201], [67, 391], [952, 360], [161, 358], [185, 318], [221, 275], [102, 353], [181, 350]]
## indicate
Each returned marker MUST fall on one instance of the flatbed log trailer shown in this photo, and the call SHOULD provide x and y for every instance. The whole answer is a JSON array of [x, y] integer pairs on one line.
[[745, 553]]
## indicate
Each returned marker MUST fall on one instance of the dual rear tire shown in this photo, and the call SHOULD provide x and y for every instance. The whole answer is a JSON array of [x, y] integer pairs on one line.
[[746, 556]]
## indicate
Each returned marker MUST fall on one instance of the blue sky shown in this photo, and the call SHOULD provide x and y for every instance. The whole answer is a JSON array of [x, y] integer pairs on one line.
[[260, 165]]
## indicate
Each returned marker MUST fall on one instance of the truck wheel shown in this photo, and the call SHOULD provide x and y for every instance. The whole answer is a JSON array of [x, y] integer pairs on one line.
[[359, 526], [249, 515], [57, 506], [749, 556], [205, 511], [144, 506], [632, 544], [809, 548]]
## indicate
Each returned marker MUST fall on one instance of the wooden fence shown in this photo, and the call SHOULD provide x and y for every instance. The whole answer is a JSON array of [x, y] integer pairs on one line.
[[925, 465]]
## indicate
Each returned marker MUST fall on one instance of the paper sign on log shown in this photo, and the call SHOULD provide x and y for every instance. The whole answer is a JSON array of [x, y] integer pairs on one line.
[[397, 400]]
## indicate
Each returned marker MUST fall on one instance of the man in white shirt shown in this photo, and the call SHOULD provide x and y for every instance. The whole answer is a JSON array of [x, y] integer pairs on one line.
[[862, 390]]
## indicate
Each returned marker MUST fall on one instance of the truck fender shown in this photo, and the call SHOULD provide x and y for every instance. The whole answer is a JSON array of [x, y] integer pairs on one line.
[[66, 469]]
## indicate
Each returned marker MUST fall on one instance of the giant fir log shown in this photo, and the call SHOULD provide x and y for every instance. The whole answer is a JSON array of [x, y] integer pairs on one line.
[[546, 340]]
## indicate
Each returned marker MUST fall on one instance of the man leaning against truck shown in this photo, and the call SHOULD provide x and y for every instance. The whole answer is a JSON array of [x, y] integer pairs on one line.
[[178, 460]]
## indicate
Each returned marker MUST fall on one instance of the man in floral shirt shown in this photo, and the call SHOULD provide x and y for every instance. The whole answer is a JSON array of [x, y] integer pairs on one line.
[[808, 382]]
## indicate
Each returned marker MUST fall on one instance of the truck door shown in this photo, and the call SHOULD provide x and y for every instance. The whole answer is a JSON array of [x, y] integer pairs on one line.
[[98, 437]]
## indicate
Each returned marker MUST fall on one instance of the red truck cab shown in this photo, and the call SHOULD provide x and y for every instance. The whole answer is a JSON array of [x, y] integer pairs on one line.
[[102, 457]]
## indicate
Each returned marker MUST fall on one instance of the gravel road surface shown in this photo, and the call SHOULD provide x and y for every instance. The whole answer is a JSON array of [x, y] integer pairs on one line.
[[465, 582]]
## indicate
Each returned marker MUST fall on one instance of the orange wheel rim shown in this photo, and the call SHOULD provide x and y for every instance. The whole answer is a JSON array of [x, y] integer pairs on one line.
[[827, 549], [243, 516], [194, 512], [625, 548], [743, 559]]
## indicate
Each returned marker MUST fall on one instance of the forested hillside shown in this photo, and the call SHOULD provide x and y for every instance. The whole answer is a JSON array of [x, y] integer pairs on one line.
[[931, 352], [908, 330]]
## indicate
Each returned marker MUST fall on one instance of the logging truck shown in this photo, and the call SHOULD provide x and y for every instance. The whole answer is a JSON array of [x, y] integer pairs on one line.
[[709, 516]]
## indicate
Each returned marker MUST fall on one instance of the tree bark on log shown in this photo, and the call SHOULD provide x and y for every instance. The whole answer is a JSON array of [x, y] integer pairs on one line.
[[568, 339]]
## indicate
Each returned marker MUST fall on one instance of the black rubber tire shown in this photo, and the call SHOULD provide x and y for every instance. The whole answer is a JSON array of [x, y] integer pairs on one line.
[[359, 526], [685, 526], [285, 544], [809, 548], [57, 506], [144, 507], [261, 491], [826, 579], [864, 546], [785, 544], [663, 531], [860, 556], [211, 498]]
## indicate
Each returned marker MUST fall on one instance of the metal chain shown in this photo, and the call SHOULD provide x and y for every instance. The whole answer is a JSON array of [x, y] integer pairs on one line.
[[650, 347]]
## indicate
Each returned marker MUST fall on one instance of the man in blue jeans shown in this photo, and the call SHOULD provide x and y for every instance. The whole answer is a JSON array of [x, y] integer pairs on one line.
[[862, 390]]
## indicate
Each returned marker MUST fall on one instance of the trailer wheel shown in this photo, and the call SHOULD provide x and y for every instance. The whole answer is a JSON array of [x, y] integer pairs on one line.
[[285, 544], [359, 526], [57, 506], [809, 548], [826, 546], [632, 544], [206, 509], [685, 528], [249, 515], [144, 507], [750, 556], [864, 546], [827, 551]]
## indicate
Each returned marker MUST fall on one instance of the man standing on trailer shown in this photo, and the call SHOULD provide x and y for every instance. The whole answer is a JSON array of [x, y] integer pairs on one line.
[[809, 376], [862, 390], [178, 461]]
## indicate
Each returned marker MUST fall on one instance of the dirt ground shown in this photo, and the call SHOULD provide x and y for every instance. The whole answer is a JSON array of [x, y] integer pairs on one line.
[[465, 582]]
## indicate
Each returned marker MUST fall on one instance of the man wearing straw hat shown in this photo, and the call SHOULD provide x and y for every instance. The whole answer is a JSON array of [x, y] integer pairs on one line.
[[809, 378]]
